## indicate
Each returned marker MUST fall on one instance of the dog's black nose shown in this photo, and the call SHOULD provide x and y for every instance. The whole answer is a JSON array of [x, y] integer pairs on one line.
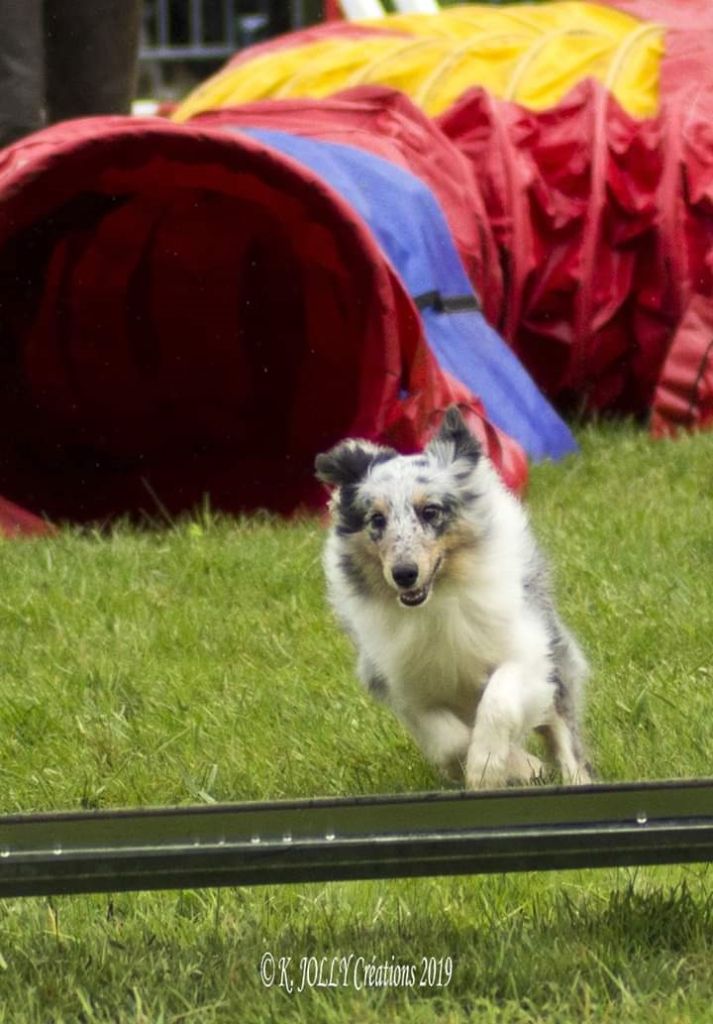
[[405, 574]]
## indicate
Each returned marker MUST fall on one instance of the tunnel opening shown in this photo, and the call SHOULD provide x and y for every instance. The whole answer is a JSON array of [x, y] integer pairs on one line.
[[175, 327]]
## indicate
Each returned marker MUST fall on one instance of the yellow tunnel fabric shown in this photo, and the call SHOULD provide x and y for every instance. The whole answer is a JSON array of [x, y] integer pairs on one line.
[[530, 53]]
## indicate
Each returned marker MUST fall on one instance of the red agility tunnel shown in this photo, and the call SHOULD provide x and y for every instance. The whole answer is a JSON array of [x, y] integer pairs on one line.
[[186, 311], [605, 230]]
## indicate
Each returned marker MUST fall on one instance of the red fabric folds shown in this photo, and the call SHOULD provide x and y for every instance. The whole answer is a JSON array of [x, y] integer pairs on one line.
[[604, 229], [185, 311]]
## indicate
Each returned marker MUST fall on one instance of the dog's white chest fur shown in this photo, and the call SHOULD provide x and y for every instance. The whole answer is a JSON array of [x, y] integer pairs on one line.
[[440, 653]]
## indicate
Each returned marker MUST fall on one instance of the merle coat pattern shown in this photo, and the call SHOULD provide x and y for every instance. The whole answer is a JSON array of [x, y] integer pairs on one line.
[[433, 571]]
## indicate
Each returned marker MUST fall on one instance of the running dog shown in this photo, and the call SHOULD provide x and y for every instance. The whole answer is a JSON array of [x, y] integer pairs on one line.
[[433, 571]]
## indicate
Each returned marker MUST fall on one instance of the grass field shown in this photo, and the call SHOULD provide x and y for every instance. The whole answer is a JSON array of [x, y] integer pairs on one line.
[[199, 663]]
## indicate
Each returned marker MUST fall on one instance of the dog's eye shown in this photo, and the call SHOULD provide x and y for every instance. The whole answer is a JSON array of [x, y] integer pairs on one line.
[[377, 521], [431, 513]]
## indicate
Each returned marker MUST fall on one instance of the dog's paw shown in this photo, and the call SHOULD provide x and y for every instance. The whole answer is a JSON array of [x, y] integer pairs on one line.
[[495, 770], [579, 776], [522, 766], [486, 770]]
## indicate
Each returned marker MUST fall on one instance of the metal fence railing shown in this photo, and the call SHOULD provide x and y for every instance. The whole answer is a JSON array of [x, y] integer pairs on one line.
[[207, 32], [198, 29], [208, 29]]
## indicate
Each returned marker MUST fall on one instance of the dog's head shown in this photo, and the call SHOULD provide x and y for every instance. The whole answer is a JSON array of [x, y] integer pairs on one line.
[[405, 521]]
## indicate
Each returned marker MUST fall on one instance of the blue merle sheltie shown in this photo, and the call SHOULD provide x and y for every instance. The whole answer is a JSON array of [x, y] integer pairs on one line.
[[433, 571]]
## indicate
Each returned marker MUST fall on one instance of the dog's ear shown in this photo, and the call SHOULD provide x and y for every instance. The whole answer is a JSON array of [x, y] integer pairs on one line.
[[454, 440], [349, 462]]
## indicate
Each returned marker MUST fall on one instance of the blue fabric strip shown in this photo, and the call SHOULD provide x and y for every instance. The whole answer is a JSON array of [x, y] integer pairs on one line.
[[407, 222]]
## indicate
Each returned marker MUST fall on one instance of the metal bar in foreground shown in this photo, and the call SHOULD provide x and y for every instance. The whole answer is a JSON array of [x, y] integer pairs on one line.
[[534, 829]]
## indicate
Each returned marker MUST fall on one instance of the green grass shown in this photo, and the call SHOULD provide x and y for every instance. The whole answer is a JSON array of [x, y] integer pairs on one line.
[[199, 663]]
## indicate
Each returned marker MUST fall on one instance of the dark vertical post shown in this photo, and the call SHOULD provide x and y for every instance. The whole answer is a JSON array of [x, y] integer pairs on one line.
[[21, 69], [91, 49]]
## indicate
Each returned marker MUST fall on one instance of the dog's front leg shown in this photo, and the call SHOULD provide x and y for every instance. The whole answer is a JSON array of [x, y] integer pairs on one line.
[[442, 736], [515, 701]]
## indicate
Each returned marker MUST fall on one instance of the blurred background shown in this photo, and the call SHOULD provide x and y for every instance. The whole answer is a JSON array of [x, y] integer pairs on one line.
[[182, 41]]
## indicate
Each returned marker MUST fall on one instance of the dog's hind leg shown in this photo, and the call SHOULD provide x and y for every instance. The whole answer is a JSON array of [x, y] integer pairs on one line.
[[561, 734], [563, 741], [561, 731]]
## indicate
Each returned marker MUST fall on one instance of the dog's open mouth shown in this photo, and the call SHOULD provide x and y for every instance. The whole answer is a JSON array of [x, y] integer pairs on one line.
[[417, 595], [412, 598]]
